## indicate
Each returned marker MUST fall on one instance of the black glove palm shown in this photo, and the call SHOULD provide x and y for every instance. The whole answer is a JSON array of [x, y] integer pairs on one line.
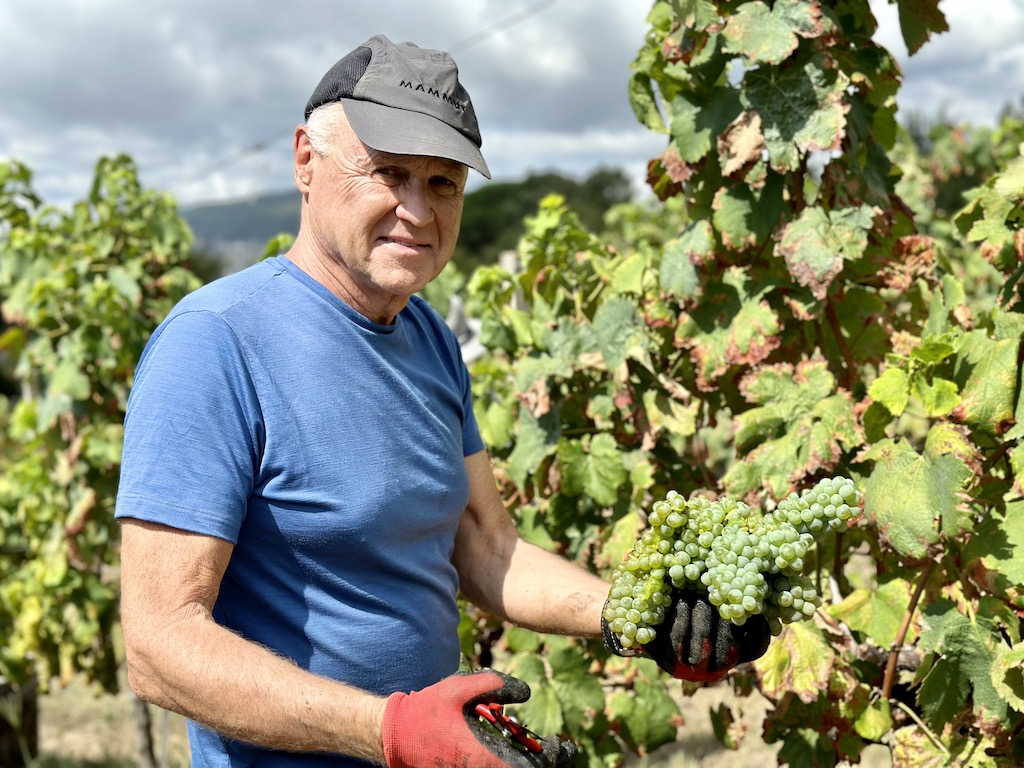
[[694, 643]]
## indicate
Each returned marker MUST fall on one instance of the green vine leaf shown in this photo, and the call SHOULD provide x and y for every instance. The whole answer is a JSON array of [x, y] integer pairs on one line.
[[618, 331], [918, 20], [818, 243], [538, 439], [801, 107], [995, 556], [696, 124], [733, 326], [647, 714], [764, 35], [679, 257], [1008, 676], [965, 653], [986, 371], [799, 426], [592, 466], [891, 389], [909, 496]]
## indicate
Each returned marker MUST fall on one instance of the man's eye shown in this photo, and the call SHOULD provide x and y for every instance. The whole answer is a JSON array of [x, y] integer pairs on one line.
[[389, 175], [444, 184]]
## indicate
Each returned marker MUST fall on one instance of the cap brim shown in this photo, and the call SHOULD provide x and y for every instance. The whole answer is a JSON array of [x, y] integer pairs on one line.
[[404, 132]]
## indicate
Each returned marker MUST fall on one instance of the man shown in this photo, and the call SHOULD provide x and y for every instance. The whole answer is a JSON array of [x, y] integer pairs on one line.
[[304, 490]]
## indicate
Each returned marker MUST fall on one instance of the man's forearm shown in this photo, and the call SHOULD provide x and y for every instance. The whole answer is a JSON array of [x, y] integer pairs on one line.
[[243, 690], [546, 592]]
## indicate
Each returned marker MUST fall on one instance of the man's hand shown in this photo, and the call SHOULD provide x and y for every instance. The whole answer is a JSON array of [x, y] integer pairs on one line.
[[694, 643], [439, 727]]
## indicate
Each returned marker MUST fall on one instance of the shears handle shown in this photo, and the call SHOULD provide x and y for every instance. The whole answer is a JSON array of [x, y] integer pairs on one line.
[[508, 727]]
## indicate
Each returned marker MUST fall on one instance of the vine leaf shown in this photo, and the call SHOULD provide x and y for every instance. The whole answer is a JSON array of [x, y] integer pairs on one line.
[[618, 331], [678, 275], [918, 20], [995, 215], [741, 144], [592, 466], [1008, 675], [891, 389], [668, 414], [743, 217], [800, 425], [646, 714], [875, 721], [766, 35], [938, 396], [801, 108], [995, 556], [911, 497], [733, 326], [538, 439], [964, 654], [696, 125], [579, 692], [816, 244], [798, 661], [987, 374], [877, 612], [543, 711]]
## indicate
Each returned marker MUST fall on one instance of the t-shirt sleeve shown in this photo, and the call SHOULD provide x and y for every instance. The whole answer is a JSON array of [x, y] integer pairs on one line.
[[192, 441]]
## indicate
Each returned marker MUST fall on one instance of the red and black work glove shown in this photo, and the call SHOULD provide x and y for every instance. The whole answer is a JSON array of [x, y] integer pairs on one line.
[[438, 727], [694, 643]]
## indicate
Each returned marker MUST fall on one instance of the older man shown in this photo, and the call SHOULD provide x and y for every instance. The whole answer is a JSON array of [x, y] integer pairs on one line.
[[304, 490]]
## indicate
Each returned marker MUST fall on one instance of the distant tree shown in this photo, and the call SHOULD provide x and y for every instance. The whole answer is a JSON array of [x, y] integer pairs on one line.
[[492, 220]]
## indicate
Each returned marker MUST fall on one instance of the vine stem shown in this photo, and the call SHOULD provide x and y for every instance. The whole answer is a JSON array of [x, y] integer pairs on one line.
[[920, 724], [894, 651], [844, 350]]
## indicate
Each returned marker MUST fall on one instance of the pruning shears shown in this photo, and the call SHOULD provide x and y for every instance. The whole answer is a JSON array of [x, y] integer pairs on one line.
[[508, 727]]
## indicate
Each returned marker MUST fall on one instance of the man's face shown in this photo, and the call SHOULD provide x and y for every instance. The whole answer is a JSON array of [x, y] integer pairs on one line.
[[390, 222]]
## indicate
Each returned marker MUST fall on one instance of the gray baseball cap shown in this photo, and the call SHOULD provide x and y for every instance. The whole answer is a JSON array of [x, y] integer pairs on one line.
[[406, 100]]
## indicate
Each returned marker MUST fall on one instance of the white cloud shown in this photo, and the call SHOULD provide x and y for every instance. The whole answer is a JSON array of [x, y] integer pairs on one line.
[[188, 88]]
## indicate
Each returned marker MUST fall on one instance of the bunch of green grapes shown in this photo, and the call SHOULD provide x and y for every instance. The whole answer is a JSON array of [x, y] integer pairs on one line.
[[749, 563]]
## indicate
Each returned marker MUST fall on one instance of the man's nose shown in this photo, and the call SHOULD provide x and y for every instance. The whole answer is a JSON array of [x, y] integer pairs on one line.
[[415, 204]]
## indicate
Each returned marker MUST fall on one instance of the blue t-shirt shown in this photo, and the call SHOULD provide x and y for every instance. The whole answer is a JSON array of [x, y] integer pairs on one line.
[[329, 449]]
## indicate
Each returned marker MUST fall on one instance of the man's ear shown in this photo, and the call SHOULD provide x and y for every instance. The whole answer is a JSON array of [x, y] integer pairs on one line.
[[303, 154]]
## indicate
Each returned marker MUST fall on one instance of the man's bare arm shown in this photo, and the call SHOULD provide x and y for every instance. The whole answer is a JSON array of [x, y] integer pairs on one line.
[[180, 659], [518, 581]]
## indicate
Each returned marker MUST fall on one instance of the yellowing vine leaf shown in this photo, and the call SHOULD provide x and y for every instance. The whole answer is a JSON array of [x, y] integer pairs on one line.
[[877, 612], [798, 661], [891, 389]]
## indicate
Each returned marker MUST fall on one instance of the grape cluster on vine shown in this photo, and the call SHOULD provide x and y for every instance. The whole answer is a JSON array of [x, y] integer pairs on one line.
[[749, 563]]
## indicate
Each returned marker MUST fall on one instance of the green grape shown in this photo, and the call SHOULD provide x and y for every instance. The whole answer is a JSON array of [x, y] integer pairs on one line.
[[748, 562]]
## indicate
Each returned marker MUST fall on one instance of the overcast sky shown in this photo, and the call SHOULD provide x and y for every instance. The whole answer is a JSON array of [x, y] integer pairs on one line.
[[205, 94]]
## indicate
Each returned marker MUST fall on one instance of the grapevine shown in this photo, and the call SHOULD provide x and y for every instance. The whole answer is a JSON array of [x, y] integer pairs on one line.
[[747, 562]]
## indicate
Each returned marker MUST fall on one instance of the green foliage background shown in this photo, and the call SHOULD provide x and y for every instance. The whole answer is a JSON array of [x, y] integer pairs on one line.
[[814, 293], [814, 298]]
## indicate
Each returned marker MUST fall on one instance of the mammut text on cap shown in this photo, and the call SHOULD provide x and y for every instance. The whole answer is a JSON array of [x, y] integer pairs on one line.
[[404, 99]]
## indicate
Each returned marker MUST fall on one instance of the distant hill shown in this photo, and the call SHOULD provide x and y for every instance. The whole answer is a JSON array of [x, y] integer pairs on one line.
[[237, 232]]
